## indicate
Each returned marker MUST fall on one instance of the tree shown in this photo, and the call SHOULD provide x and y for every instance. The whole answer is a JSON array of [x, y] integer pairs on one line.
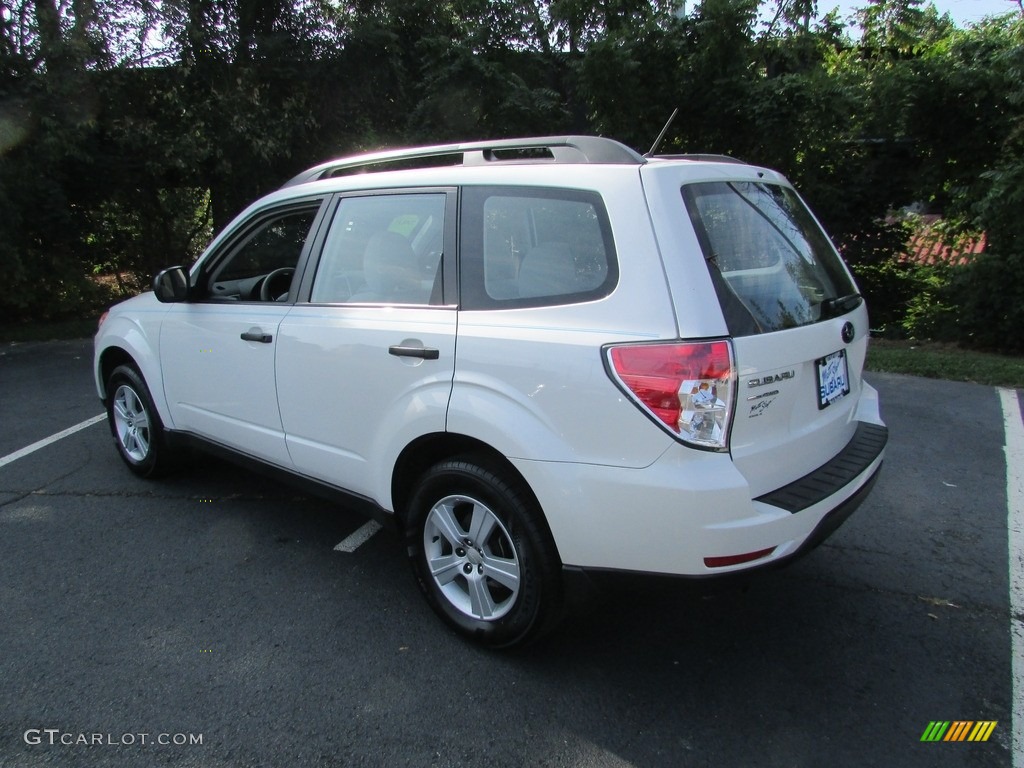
[[990, 292], [127, 121]]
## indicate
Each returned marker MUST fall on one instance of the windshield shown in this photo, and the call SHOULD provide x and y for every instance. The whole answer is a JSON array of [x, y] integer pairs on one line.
[[772, 265]]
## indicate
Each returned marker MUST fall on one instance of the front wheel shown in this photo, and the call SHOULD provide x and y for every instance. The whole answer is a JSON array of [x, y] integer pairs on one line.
[[482, 555], [135, 424]]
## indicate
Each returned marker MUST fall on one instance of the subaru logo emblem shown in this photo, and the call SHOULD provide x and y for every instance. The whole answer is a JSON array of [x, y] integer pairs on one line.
[[848, 333]]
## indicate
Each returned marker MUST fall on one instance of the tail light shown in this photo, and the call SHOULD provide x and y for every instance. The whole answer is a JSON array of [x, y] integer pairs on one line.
[[689, 388]]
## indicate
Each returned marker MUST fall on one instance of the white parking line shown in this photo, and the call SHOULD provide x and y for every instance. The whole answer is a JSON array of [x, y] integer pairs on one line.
[[1015, 529], [49, 440], [359, 537]]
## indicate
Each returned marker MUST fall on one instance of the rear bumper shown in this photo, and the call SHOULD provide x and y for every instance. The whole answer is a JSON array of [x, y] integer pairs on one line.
[[583, 584], [691, 512]]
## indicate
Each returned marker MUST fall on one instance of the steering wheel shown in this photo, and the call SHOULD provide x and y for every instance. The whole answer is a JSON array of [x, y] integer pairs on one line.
[[268, 281]]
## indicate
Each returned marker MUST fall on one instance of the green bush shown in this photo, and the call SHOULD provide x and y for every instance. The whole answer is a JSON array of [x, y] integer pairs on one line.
[[932, 312], [990, 303], [887, 282]]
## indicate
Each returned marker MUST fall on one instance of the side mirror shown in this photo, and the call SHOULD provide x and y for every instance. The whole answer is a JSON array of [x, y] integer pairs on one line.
[[171, 285]]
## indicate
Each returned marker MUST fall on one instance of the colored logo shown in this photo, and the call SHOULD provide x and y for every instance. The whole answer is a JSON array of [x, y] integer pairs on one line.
[[959, 730]]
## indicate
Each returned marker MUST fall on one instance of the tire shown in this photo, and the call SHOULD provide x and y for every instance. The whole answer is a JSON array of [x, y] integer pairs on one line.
[[482, 555], [135, 424]]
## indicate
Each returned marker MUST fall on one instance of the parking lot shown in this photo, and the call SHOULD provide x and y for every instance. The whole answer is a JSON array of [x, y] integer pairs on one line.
[[209, 620]]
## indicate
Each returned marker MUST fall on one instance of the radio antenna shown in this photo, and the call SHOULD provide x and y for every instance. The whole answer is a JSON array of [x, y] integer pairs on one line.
[[657, 141]]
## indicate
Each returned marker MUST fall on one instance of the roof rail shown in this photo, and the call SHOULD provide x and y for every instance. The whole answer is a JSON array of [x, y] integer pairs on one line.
[[549, 149], [702, 158]]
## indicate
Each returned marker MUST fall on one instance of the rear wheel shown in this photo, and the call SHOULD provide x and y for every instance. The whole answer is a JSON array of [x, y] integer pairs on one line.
[[135, 424], [481, 554]]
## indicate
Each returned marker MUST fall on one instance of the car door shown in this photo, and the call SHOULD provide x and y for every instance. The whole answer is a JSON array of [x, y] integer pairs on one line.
[[366, 365], [218, 350]]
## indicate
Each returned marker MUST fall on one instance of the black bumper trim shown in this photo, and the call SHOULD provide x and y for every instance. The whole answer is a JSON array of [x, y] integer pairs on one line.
[[867, 444], [830, 522]]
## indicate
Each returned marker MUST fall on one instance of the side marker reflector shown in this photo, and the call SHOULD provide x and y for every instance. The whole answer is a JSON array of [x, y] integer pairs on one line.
[[722, 562]]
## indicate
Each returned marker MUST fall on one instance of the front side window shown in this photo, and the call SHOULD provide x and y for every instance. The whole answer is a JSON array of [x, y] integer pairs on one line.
[[383, 249], [772, 265], [534, 247], [259, 263]]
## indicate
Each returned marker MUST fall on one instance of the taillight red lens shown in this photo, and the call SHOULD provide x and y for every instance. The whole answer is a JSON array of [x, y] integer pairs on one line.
[[687, 386]]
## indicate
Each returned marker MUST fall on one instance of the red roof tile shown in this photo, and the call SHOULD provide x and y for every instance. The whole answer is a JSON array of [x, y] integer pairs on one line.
[[926, 246]]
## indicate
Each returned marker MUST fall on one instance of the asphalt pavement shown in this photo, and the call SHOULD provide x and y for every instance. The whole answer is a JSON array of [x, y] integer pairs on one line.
[[207, 620]]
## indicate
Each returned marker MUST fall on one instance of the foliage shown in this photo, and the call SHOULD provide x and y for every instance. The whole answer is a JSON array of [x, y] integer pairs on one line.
[[130, 129], [887, 282], [990, 292], [932, 311]]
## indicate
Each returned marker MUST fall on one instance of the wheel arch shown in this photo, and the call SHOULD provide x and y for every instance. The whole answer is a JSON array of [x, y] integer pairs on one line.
[[109, 359], [143, 361], [428, 450]]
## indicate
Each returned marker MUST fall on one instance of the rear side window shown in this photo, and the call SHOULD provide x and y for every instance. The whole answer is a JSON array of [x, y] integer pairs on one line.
[[526, 247], [771, 264]]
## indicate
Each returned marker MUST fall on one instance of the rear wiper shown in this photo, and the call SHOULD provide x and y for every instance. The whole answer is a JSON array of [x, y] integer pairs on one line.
[[840, 305]]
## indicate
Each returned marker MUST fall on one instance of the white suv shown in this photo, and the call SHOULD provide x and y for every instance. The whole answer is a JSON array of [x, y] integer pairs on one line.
[[532, 357]]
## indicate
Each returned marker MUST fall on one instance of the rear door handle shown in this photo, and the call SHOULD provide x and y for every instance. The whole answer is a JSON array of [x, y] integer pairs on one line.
[[427, 353], [257, 335]]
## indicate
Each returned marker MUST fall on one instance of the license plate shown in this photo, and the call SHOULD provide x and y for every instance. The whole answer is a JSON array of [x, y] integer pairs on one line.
[[833, 378]]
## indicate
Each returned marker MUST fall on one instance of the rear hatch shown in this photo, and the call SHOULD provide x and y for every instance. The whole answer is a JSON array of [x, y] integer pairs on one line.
[[799, 326]]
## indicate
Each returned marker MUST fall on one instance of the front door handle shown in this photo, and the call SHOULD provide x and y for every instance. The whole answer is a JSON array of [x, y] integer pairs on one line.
[[427, 353], [256, 334]]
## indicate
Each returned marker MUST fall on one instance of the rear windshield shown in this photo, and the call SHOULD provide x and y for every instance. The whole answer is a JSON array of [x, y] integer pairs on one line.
[[770, 262]]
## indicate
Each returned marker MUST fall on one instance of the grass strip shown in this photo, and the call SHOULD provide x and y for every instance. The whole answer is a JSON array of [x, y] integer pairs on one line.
[[945, 361]]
